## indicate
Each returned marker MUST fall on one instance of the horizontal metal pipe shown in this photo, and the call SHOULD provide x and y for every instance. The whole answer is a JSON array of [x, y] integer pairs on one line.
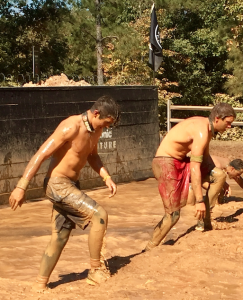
[[207, 108], [173, 120]]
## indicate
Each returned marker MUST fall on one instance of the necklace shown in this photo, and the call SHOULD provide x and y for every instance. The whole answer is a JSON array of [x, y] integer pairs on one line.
[[212, 128], [85, 119]]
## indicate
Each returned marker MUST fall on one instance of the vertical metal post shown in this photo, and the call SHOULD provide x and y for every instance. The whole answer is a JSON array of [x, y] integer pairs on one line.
[[153, 68], [36, 63], [168, 115], [33, 57]]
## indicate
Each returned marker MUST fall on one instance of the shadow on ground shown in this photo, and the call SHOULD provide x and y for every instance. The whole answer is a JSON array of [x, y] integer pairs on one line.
[[171, 242], [115, 263], [231, 218], [66, 278], [232, 199]]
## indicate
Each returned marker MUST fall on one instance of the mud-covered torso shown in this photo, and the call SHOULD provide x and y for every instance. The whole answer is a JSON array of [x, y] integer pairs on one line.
[[71, 157], [178, 142]]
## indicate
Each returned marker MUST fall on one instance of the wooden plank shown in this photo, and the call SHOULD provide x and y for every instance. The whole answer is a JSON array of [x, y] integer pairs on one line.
[[30, 115]]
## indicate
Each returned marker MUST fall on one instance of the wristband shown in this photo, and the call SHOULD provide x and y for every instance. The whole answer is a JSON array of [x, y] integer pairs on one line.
[[200, 201], [23, 183], [106, 177], [197, 158]]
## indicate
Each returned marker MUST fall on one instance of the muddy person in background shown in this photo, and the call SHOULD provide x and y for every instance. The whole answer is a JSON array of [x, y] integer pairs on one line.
[[72, 144], [231, 168], [172, 168]]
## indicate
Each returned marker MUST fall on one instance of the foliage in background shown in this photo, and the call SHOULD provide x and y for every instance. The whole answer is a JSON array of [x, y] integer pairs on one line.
[[38, 23], [234, 33], [202, 45], [234, 133], [197, 63]]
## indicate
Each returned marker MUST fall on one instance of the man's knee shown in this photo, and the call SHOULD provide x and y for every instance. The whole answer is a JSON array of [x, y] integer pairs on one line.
[[218, 176], [170, 220], [100, 217], [61, 237], [175, 216]]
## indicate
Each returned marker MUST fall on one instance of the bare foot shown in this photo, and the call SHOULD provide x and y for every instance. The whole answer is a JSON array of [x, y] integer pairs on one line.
[[40, 287], [149, 246], [98, 276]]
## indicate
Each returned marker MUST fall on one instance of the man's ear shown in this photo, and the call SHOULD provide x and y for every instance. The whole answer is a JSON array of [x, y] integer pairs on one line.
[[216, 119], [96, 113], [232, 169]]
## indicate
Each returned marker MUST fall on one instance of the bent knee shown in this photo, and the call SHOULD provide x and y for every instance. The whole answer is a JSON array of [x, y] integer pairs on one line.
[[100, 216], [218, 175], [175, 216], [61, 237], [171, 219]]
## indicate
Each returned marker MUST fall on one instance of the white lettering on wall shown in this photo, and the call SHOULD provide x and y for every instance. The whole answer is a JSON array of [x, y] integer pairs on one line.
[[107, 133], [104, 144]]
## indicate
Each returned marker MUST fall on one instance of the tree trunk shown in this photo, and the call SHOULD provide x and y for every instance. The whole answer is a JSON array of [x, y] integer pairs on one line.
[[99, 44]]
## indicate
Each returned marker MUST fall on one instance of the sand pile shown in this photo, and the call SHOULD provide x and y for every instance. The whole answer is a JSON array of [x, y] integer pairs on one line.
[[58, 80]]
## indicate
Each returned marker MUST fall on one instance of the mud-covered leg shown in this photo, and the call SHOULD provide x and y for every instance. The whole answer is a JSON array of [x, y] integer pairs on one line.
[[98, 273], [191, 199], [217, 180], [162, 228], [51, 256]]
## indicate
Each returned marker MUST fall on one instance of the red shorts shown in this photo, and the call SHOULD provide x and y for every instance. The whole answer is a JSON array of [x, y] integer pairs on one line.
[[173, 177]]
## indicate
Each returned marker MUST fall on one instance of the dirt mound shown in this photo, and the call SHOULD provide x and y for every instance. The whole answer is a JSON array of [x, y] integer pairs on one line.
[[58, 80]]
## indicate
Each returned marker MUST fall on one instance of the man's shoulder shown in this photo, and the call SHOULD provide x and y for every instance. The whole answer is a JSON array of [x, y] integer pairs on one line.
[[70, 124], [74, 119], [190, 125], [198, 129], [194, 123], [197, 119]]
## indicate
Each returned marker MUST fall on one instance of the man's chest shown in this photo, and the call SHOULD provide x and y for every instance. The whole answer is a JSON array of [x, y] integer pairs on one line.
[[85, 143]]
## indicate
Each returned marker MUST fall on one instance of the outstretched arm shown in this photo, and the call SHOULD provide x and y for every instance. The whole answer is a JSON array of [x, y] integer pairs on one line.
[[97, 165], [65, 131], [199, 149], [227, 189]]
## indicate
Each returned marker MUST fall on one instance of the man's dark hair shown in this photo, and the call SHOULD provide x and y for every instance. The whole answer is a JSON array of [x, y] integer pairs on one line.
[[237, 164], [222, 110], [107, 108]]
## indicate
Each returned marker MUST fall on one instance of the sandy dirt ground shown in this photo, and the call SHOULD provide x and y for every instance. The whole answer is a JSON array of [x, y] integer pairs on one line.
[[190, 265]]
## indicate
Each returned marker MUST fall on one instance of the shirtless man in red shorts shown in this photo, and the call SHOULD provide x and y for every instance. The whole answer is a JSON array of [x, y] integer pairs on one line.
[[72, 144], [172, 168]]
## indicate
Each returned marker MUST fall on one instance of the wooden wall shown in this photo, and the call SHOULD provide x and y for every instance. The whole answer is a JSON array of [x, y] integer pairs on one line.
[[29, 115]]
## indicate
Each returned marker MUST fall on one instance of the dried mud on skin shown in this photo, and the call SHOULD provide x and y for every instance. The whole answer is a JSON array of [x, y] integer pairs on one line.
[[190, 265]]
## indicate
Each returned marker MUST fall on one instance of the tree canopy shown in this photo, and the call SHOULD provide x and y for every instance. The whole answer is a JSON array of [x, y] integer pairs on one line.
[[202, 43]]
